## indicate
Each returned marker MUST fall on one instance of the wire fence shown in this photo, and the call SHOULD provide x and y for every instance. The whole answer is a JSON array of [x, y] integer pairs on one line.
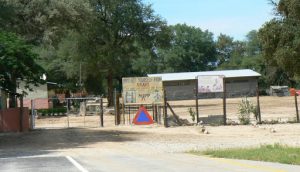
[[69, 112], [273, 109], [85, 112]]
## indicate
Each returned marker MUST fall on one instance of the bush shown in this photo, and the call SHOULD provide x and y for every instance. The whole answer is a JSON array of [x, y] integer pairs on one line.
[[192, 114], [52, 111], [246, 108]]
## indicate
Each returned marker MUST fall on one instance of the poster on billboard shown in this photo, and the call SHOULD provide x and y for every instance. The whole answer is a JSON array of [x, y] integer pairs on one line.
[[210, 84], [142, 90]]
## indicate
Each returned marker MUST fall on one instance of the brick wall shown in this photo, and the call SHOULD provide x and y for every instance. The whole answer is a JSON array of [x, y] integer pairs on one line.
[[10, 120], [38, 103]]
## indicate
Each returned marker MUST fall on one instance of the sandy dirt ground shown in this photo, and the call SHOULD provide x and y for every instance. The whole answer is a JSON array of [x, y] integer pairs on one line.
[[81, 137], [177, 139], [148, 148], [281, 109], [151, 139], [272, 108]]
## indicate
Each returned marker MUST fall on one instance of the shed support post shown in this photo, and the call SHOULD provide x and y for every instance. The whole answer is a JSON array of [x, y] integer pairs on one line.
[[197, 103], [165, 110], [258, 104], [296, 105], [224, 102]]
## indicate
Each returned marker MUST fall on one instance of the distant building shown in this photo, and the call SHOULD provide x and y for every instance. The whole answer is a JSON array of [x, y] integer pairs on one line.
[[181, 86], [39, 94]]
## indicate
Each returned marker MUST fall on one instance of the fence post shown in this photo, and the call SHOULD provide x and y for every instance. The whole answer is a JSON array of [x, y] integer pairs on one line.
[[101, 112], [129, 120], [296, 104], [224, 101], [67, 105], [165, 110], [153, 112], [32, 114], [197, 103], [115, 104], [258, 104], [123, 109], [21, 113], [116, 107]]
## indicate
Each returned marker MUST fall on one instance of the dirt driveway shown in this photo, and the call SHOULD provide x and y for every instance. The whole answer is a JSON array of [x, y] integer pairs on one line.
[[91, 147], [145, 138]]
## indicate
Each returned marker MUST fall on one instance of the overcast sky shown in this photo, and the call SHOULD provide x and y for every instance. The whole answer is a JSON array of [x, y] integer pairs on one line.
[[231, 17]]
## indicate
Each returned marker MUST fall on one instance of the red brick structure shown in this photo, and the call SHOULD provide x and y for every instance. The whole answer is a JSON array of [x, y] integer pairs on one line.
[[40, 103], [10, 120]]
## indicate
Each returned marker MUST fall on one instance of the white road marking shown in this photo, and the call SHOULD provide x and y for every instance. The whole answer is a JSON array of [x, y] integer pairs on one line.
[[76, 164]]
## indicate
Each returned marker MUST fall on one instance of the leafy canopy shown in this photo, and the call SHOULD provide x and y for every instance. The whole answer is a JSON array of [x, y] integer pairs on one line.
[[191, 50], [17, 61], [280, 39]]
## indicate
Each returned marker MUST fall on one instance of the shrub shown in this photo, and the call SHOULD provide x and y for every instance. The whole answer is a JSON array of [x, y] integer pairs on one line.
[[192, 114], [52, 111], [246, 108]]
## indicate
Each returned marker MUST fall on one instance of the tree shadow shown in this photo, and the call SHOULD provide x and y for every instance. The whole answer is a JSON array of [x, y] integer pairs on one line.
[[44, 141]]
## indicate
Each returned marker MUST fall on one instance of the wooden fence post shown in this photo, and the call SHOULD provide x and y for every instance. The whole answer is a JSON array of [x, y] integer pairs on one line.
[[123, 109], [197, 103], [165, 110], [129, 120], [118, 109], [224, 102], [258, 105], [115, 106], [296, 104], [101, 112]]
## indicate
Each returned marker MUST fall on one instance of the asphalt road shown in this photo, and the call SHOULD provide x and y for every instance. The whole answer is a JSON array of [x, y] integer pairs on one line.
[[107, 160], [119, 160], [36, 164]]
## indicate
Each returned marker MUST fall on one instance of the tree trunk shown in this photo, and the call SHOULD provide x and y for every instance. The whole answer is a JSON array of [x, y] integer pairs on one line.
[[110, 89], [3, 103], [12, 96], [12, 101]]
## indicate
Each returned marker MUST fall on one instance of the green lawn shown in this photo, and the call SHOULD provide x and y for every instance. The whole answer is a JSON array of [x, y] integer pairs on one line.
[[271, 153]]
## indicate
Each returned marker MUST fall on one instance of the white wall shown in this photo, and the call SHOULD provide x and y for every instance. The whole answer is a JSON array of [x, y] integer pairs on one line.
[[40, 91]]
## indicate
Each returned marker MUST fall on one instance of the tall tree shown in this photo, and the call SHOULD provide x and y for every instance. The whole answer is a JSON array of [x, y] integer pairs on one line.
[[253, 45], [280, 39], [191, 50], [17, 62], [224, 46], [47, 25], [43, 21], [120, 30]]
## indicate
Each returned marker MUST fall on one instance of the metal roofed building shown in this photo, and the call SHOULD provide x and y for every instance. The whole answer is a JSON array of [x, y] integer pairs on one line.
[[181, 86]]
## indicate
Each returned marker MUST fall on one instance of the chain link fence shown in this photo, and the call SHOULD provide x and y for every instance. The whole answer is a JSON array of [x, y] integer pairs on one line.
[[70, 112]]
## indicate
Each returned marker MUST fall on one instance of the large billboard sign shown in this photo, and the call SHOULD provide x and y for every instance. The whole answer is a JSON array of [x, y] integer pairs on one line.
[[210, 84], [142, 90]]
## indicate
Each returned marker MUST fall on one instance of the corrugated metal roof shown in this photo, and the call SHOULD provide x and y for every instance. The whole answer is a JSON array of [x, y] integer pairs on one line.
[[193, 75]]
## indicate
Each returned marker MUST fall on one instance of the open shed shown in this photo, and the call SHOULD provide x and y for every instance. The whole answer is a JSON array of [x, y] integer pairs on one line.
[[181, 86]]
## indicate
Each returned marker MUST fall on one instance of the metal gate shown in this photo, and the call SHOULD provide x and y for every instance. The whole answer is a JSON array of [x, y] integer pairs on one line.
[[69, 112]]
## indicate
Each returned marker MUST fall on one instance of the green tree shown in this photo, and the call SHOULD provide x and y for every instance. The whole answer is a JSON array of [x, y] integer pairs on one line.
[[47, 25], [43, 21], [224, 47], [17, 62], [191, 50], [280, 40], [253, 45], [121, 30]]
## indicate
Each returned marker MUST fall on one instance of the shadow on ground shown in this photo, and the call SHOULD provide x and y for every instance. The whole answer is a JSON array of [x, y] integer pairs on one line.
[[44, 141]]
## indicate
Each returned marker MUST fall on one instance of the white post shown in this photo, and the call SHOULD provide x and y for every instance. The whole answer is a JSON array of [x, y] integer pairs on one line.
[[32, 114]]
